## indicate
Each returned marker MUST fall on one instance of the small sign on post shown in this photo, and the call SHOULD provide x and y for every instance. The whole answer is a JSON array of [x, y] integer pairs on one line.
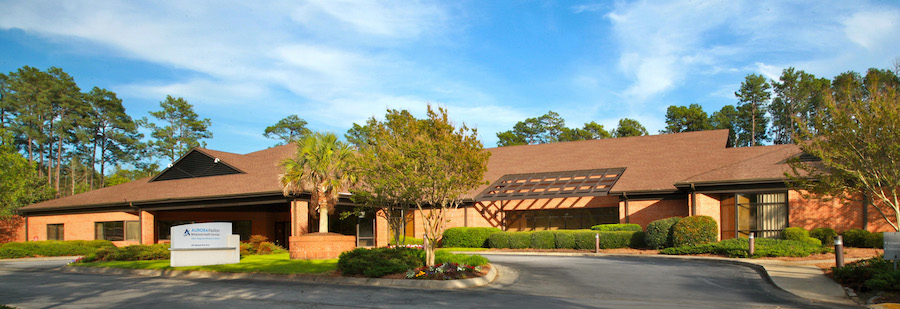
[[892, 247]]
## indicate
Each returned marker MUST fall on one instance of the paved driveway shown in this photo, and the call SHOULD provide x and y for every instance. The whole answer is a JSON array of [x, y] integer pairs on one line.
[[530, 282]]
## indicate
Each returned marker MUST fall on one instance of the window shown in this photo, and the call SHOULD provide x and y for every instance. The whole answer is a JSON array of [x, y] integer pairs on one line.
[[165, 228], [55, 232], [559, 219], [241, 227], [117, 230], [765, 214]]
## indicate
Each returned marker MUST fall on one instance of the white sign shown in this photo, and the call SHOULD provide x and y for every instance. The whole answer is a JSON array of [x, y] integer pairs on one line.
[[892, 246], [201, 235]]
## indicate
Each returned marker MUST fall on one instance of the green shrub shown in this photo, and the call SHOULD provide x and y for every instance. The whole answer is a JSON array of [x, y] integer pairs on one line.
[[584, 239], [855, 238], [258, 244], [618, 227], [408, 241], [519, 240], [543, 240], [694, 230], [51, 248], [638, 240], [875, 240], [499, 240], [739, 247], [659, 233], [868, 274], [616, 239], [443, 256], [130, 253], [379, 262], [468, 237], [823, 234], [795, 233], [565, 239]]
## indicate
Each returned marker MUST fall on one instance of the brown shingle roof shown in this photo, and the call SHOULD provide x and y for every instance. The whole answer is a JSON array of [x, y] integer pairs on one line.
[[653, 163], [261, 176]]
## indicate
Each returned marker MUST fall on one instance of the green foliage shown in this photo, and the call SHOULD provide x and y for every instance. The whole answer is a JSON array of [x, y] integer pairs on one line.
[[585, 239], [739, 247], [629, 127], [129, 253], [565, 239], [694, 230], [288, 130], [726, 118], [468, 237], [443, 256], [618, 227], [519, 240], [686, 119], [659, 233], [823, 234], [638, 240], [499, 240], [181, 128], [869, 274], [379, 262], [855, 238], [543, 240], [258, 244], [591, 130], [409, 241], [875, 240], [795, 233], [51, 248], [20, 184], [320, 166], [753, 99], [539, 130]]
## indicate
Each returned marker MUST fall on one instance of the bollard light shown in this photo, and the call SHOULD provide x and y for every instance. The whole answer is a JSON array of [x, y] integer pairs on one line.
[[752, 244], [838, 251], [596, 242]]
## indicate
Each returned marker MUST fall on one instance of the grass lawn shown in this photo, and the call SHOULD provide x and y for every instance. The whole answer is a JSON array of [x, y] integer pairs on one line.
[[272, 264], [461, 249]]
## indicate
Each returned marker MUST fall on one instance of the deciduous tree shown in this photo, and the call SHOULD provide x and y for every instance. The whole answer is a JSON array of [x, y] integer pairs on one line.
[[686, 119], [629, 127]]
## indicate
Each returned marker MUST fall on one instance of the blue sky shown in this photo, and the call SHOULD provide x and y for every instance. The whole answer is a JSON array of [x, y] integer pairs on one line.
[[245, 65]]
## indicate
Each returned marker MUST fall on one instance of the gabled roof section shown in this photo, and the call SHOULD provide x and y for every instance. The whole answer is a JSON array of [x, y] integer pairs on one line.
[[196, 164], [579, 183]]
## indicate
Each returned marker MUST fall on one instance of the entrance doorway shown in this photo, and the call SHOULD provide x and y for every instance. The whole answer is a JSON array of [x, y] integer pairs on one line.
[[282, 233], [347, 221]]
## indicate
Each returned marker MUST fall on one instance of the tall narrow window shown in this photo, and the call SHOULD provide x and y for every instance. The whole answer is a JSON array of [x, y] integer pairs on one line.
[[55, 232], [133, 230], [765, 214]]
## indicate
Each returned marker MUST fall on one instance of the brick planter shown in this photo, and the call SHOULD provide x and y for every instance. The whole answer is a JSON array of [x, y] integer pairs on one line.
[[316, 246]]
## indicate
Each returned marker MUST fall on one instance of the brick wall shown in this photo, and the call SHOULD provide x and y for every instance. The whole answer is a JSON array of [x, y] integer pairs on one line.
[[646, 211], [77, 226], [810, 213], [12, 229], [709, 205]]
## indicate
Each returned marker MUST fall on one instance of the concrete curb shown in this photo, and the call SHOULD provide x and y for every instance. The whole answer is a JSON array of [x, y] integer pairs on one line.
[[48, 258], [193, 274]]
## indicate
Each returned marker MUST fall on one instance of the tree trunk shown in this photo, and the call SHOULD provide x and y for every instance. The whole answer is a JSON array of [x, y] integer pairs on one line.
[[58, 164], [323, 211]]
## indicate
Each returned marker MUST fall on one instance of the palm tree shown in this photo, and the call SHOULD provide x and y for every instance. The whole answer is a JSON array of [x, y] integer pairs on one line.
[[321, 167]]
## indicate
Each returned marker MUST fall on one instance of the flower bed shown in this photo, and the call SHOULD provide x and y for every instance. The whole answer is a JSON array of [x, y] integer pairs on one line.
[[446, 271]]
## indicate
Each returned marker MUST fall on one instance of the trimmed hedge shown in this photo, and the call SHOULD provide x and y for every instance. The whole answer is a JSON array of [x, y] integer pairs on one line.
[[499, 240], [443, 256], [795, 233], [823, 234], [468, 237], [618, 227], [519, 240], [409, 241], [875, 240], [695, 230], [659, 233], [855, 238], [15, 250], [565, 239], [739, 247], [129, 253], [379, 262], [543, 240], [584, 239]]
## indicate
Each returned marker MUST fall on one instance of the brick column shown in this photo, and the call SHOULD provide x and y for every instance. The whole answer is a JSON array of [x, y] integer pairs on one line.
[[382, 234], [299, 217], [148, 231]]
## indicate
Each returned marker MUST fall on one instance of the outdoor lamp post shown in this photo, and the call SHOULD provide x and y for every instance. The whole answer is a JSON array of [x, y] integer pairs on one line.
[[752, 244], [838, 251]]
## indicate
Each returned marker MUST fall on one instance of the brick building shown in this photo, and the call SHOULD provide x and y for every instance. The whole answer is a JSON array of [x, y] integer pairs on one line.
[[567, 185]]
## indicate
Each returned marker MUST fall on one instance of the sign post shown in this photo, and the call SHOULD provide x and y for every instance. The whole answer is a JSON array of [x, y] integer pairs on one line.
[[204, 244]]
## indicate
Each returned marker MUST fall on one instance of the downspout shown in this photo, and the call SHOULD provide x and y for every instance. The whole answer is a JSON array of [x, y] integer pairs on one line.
[[627, 214], [693, 200]]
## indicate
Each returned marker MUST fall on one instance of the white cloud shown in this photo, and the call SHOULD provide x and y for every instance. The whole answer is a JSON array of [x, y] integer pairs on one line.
[[871, 29]]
